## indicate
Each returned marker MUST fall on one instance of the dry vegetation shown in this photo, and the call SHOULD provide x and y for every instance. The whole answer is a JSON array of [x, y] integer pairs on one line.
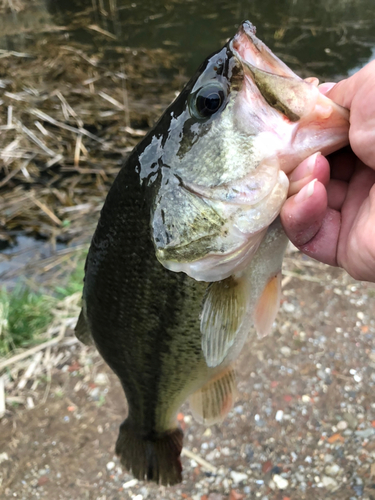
[[68, 118]]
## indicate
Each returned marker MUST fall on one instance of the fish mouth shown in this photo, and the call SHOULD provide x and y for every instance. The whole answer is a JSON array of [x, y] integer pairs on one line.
[[318, 123], [249, 50]]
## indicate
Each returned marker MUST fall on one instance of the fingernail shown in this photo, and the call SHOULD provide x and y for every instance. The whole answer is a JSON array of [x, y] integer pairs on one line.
[[305, 169], [305, 192], [325, 87]]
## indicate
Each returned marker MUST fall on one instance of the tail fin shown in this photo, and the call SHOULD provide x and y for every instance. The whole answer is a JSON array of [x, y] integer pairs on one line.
[[153, 459]]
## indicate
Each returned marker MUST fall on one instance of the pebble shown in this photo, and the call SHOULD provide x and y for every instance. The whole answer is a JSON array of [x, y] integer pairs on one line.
[[213, 455], [238, 477], [101, 379], [288, 307], [351, 420], [329, 483], [3, 457], [110, 465], [144, 491], [321, 374], [280, 482], [286, 351], [358, 489], [332, 470], [279, 416], [130, 484], [342, 425], [366, 433], [328, 458]]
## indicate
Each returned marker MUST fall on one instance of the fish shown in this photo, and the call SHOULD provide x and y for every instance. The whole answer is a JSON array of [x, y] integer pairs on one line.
[[185, 263]]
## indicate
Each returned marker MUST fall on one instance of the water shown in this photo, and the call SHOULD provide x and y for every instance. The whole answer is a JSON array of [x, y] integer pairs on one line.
[[28, 257], [328, 38]]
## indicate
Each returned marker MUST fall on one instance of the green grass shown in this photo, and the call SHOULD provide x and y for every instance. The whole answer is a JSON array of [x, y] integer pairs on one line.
[[74, 281], [25, 314]]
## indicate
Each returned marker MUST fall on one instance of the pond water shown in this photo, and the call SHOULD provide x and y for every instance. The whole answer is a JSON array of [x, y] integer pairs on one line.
[[328, 38]]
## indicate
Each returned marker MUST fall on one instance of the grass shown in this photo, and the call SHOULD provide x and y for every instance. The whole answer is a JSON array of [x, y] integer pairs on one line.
[[25, 313]]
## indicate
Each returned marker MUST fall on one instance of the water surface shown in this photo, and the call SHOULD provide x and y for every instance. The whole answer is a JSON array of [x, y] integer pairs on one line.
[[328, 38]]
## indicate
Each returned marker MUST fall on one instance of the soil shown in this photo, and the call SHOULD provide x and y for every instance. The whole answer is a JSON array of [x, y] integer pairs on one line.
[[303, 425]]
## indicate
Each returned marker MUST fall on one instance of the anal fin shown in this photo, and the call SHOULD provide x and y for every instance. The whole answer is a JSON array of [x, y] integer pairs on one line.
[[267, 306], [222, 314], [212, 402]]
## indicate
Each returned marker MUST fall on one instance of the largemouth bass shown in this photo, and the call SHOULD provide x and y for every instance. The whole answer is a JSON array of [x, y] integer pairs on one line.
[[186, 259]]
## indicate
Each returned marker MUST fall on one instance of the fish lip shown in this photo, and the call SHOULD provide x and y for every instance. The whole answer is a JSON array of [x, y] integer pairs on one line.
[[253, 53]]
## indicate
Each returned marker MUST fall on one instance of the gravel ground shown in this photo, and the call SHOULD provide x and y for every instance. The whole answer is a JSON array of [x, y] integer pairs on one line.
[[303, 426]]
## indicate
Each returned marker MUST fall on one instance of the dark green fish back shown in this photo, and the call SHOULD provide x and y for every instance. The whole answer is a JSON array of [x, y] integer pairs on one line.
[[144, 319]]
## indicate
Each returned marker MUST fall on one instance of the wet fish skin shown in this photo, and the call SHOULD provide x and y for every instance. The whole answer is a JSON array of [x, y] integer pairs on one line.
[[144, 320], [175, 201]]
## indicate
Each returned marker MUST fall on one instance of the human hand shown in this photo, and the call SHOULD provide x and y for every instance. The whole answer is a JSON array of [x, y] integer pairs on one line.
[[330, 212]]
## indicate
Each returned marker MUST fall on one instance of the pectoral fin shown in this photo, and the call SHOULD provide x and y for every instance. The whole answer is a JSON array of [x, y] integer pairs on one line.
[[82, 330], [267, 306], [223, 311], [213, 401]]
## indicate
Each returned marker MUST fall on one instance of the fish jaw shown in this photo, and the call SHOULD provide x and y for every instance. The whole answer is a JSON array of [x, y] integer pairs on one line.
[[324, 129], [300, 118], [240, 236]]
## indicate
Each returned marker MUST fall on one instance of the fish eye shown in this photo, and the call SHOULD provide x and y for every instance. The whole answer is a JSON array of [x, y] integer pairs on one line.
[[207, 101]]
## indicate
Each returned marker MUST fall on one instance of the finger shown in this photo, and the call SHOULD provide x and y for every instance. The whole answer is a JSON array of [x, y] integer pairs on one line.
[[336, 194], [315, 166], [310, 225], [343, 163], [303, 213], [358, 191], [346, 90], [357, 94], [323, 246], [361, 243], [326, 87]]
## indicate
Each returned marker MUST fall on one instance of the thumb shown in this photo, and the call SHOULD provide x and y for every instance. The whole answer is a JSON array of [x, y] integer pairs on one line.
[[357, 93]]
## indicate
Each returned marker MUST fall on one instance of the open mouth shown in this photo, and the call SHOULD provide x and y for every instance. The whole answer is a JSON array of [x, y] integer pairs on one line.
[[312, 121], [252, 51]]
